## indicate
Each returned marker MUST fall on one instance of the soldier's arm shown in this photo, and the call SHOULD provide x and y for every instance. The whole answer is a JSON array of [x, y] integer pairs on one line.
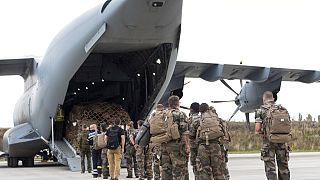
[[123, 141], [185, 132], [131, 139], [258, 122]]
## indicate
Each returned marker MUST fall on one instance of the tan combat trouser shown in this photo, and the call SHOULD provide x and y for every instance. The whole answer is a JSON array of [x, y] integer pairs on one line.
[[114, 159]]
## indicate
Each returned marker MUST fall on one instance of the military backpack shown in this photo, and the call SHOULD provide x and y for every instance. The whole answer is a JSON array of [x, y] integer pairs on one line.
[[164, 128], [226, 138], [210, 128], [277, 125], [98, 141], [158, 123]]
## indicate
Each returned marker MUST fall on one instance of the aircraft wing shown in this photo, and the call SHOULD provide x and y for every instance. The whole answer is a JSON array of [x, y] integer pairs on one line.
[[212, 72], [21, 66]]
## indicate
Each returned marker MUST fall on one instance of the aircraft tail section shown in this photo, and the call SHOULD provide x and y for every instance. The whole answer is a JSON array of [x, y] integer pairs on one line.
[[20, 66]]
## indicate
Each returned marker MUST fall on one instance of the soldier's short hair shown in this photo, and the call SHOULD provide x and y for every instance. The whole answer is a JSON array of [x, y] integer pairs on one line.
[[204, 107], [267, 96], [117, 121], [140, 123], [195, 107], [103, 127], [173, 101]]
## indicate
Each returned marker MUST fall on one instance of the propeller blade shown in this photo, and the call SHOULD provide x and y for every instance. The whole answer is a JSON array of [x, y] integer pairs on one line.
[[234, 113], [184, 107], [222, 101], [227, 85], [241, 84], [187, 83], [247, 121]]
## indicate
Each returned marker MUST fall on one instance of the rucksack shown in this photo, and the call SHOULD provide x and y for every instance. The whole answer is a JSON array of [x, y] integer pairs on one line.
[[210, 128], [225, 139], [164, 128], [143, 135], [277, 125], [98, 141], [158, 123], [113, 141]]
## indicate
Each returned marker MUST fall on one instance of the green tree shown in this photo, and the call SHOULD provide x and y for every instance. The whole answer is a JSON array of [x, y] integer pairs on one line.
[[300, 117], [309, 117]]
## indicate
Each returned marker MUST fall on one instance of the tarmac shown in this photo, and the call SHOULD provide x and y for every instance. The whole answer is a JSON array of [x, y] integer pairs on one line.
[[303, 166]]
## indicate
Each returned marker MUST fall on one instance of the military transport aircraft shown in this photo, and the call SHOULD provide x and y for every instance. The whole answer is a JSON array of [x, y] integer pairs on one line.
[[128, 49]]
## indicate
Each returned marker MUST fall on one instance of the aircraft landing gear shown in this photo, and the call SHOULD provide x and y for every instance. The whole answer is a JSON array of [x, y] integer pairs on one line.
[[12, 161], [26, 161]]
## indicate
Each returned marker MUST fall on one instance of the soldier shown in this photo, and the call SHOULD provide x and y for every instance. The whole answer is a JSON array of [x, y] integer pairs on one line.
[[105, 164], [130, 153], [175, 150], [96, 153], [224, 144], [84, 149], [194, 122], [154, 149], [144, 159], [272, 147], [209, 158], [225, 140]]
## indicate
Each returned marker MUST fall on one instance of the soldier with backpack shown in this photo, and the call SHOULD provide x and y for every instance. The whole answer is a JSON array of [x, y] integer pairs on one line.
[[141, 158], [115, 140], [105, 164], [154, 149], [84, 149], [194, 121], [274, 125], [171, 131], [130, 153], [209, 158], [224, 143], [95, 151]]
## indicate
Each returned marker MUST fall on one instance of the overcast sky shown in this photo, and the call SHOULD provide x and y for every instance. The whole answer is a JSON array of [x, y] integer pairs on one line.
[[273, 33]]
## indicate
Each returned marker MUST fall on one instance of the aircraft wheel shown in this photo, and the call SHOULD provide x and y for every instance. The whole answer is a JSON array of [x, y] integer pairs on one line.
[[28, 162], [13, 162]]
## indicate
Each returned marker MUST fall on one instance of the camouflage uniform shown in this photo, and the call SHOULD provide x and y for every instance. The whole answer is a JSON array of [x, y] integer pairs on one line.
[[84, 151], [224, 152], [194, 122], [270, 150], [225, 140], [156, 153], [173, 154], [210, 160], [130, 153], [144, 161]]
